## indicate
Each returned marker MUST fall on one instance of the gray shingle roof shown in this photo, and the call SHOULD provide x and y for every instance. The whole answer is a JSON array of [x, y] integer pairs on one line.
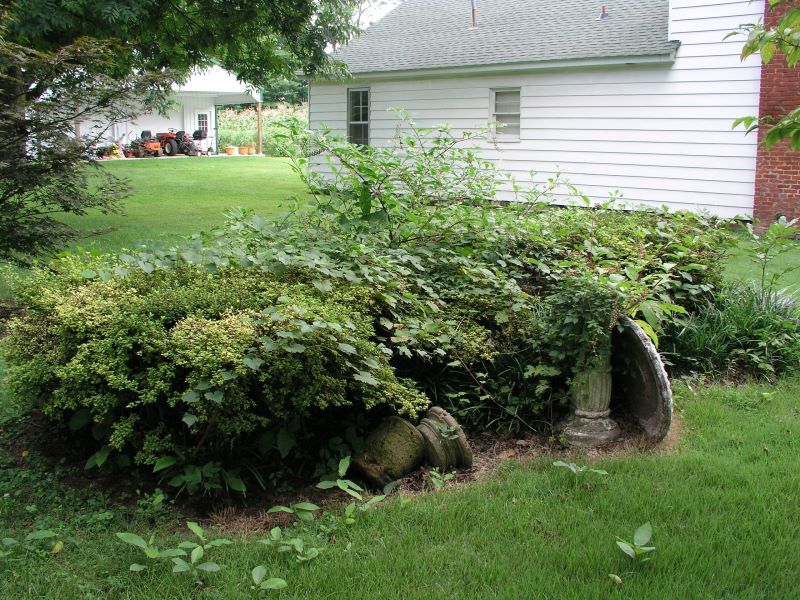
[[430, 34]]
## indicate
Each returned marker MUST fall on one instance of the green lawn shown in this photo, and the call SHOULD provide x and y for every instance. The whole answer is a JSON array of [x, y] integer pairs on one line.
[[723, 499], [722, 502], [181, 196], [741, 267]]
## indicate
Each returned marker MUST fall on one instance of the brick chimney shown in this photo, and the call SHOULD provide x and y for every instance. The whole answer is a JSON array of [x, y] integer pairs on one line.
[[778, 170]]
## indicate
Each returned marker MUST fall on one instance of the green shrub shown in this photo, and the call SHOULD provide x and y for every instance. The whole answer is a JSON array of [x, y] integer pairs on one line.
[[746, 332], [395, 288]]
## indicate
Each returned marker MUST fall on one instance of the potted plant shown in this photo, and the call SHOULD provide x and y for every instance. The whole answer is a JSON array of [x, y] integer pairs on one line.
[[231, 150]]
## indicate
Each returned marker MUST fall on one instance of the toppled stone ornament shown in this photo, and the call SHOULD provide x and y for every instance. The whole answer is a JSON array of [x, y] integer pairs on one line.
[[396, 447], [445, 442], [392, 450], [590, 423], [641, 385]]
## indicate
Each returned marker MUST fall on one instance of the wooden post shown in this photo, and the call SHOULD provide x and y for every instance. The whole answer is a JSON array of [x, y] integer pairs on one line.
[[260, 129]]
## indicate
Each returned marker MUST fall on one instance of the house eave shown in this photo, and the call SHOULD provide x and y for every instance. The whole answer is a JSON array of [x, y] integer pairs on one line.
[[521, 67]]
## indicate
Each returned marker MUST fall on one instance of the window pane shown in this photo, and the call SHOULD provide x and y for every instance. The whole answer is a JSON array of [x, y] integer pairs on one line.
[[506, 101], [358, 134], [510, 125]]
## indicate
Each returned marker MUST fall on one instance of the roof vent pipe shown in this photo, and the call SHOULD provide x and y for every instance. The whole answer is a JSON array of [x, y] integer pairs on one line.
[[603, 13], [474, 14]]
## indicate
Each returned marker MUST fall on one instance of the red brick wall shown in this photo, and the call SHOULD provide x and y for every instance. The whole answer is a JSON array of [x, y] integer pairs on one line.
[[777, 170]]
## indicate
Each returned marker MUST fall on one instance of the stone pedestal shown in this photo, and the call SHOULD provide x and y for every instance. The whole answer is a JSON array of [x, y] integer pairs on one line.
[[590, 423], [392, 450]]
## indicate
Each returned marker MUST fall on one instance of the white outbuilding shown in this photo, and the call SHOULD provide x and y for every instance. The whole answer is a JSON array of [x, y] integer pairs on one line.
[[194, 106]]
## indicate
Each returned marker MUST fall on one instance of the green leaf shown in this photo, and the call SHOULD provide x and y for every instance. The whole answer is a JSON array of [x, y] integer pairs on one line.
[[323, 285], [626, 548], [279, 508], [89, 274], [41, 534], [326, 485], [286, 441], [347, 348], [196, 529], [164, 463], [344, 465], [197, 554], [365, 377], [151, 552], [295, 348], [190, 397], [259, 573], [643, 534], [234, 482], [216, 396], [306, 506], [133, 540], [253, 362], [181, 566], [189, 419], [80, 419], [136, 567], [99, 458], [171, 553], [273, 583]]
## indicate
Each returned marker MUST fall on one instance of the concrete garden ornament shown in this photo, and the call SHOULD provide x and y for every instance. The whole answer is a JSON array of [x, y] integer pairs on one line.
[[396, 447], [632, 381]]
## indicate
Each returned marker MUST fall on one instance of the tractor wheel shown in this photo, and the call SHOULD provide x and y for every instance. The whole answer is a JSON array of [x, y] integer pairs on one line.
[[170, 147]]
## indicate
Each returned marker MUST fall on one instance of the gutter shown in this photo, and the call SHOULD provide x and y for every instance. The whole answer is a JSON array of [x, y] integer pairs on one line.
[[520, 67]]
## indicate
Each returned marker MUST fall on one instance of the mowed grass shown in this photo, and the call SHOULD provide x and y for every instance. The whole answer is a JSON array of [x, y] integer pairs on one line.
[[175, 197], [740, 266], [722, 501]]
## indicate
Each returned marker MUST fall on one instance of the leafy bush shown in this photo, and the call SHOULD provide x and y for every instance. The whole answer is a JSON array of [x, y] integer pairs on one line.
[[403, 282]]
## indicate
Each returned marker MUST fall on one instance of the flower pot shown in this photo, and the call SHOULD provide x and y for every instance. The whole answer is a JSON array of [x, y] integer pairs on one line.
[[445, 442], [242, 150], [590, 425], [392, 450], [230, 150], [251, 150]]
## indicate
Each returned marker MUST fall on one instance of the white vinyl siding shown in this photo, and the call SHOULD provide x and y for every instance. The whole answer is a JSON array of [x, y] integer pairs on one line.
[[661, 134]]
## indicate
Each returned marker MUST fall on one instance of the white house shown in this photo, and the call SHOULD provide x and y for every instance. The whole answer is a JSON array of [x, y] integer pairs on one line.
[[637, 96], [194, 104]]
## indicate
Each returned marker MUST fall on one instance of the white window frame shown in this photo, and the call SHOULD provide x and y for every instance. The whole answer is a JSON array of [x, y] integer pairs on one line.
[[208, 121], [499, 133], [369, 113]]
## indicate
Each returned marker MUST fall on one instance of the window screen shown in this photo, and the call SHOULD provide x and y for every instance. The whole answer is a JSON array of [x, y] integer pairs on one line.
[[506, 113], [358, 117]]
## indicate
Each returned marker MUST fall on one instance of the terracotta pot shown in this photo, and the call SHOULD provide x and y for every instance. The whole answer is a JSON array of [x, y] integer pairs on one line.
[[242, 150], [251, 150], [230, 150]]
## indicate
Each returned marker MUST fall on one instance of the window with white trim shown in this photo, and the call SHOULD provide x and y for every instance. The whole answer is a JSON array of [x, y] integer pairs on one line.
[[358, 116], [505, 111], [202, 122]]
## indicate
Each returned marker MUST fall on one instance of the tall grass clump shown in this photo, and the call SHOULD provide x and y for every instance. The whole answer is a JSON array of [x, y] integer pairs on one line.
[[748, 329], [747, 332]]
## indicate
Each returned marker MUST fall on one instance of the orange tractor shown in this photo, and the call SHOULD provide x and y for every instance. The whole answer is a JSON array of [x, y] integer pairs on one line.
[[168, 143]]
